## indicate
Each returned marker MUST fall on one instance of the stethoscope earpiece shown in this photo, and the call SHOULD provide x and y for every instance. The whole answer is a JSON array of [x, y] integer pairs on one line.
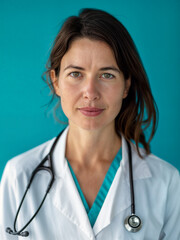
[[133, 223], [22, 234]]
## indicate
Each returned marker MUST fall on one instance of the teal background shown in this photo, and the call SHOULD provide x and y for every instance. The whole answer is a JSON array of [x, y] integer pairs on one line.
[[27, 31]]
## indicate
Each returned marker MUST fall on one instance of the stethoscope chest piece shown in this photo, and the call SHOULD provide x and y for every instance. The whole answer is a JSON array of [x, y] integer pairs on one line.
[[133, 223]]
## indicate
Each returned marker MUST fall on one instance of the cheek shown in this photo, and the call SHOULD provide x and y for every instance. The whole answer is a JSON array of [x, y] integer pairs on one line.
[[116, 94], [68, 97], [115, 99], [65, 91]]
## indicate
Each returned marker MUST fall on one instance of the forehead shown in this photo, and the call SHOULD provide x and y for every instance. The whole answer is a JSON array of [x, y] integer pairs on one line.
[[85, 51]]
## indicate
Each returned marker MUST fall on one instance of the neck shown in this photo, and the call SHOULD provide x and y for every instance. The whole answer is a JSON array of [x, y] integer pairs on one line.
[[88, 147]]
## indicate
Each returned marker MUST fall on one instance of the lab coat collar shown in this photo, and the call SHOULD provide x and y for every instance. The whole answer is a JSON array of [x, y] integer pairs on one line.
[[140, 167], [117, 199]]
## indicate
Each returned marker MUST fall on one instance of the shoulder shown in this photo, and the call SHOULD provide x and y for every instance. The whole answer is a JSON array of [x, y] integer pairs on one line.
[[154, 167], [159, 179], [25, 162], [161, 170], [160, 167], [21, 166]]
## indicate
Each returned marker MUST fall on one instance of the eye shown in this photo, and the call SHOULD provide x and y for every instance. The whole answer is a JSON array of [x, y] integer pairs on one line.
[[108, 75], [75, 74]]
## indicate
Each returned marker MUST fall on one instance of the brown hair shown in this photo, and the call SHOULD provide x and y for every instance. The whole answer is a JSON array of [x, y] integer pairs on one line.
[[139, 110]]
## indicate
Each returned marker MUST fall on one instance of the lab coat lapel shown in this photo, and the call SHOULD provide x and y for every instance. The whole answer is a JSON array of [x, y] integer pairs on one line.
[[65, 194], [66, 198], [118, 197]]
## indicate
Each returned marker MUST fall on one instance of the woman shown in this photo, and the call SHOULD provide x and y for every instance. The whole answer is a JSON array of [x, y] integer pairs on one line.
[[96, 72]]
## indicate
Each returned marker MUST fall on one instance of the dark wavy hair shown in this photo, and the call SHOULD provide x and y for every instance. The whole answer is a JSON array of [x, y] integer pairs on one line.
[[139, 110]]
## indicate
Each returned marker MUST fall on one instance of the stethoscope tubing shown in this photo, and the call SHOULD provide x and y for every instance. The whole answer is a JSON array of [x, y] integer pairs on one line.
[[50, 170], [40, 167], [131, 179]]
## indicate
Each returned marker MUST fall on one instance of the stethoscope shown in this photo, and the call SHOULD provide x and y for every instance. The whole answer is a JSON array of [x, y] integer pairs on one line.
[[132, 223]]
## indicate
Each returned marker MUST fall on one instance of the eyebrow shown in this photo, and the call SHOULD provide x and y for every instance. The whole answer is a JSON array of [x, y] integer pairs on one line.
[[101, 69]]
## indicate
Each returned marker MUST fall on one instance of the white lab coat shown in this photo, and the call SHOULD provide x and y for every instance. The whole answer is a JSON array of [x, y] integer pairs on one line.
[[157, 196]]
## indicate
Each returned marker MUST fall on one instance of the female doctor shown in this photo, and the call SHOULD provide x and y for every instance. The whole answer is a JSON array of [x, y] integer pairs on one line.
[[102, 186]]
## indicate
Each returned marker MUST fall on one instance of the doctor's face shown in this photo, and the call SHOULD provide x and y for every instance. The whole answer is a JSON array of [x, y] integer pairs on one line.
[[90, 84]]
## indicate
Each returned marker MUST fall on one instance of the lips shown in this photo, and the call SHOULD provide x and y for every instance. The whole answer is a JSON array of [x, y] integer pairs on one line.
[[91, 111]]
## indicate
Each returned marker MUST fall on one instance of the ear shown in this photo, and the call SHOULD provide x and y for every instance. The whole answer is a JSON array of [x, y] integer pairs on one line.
[[127, 86], [55, 82]]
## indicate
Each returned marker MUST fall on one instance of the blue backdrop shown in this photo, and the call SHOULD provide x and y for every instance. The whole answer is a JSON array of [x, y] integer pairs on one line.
[[27, 30]]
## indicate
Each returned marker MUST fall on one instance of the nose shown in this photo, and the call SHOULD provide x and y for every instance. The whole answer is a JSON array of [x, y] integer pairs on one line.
[[91, 90]]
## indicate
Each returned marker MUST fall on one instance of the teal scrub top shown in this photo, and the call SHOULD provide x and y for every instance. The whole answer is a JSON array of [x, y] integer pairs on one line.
[[103, 191]]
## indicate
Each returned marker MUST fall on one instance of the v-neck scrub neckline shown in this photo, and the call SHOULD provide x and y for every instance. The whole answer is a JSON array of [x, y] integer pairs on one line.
[[93, 212]]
